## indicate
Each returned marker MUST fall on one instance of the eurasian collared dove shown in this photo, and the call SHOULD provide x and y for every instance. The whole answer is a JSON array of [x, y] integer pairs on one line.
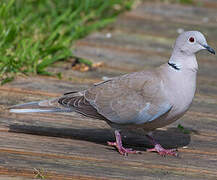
[[147, 99]]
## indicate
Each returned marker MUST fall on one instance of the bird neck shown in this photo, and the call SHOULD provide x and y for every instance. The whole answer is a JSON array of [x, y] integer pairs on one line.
[[181, 61]]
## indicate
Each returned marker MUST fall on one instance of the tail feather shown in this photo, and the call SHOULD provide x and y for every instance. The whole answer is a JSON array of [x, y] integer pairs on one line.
[[39, 106], [39, 110]]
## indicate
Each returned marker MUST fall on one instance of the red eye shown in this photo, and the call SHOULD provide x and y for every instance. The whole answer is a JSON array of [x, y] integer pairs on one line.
[[191, 39]]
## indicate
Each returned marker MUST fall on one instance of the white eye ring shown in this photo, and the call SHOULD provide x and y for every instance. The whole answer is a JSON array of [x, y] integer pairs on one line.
[[191, 40]]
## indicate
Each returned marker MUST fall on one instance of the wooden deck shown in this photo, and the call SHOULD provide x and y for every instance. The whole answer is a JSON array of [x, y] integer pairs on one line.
[[69, 146]]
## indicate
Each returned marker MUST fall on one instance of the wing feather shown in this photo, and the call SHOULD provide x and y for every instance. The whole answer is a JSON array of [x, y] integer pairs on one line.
[[78, 103], [135, 98]]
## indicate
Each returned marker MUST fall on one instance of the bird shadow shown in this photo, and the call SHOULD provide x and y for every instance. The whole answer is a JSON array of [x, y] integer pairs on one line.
[[170, 138]]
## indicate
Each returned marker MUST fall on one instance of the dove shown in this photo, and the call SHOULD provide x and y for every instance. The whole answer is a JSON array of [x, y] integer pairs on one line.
[[144, 100]]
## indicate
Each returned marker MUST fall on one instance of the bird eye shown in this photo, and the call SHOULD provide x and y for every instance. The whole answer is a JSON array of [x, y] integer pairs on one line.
[[191, 39]]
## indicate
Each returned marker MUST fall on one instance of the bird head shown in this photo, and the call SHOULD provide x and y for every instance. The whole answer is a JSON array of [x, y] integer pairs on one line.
[[191, 42]]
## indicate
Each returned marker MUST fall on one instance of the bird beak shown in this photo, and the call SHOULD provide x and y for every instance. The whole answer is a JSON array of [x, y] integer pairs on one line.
[[209, 49]]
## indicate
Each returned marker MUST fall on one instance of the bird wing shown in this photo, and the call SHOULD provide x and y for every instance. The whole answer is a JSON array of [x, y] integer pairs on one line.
[[134, 98]]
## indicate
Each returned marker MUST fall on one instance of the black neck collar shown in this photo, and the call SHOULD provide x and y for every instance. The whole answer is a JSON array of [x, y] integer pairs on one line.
[[174, 66]]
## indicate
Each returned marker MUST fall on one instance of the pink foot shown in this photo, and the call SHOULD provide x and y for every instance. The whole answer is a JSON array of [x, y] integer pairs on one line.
[[120, 148], [163, 152], [159, 149]]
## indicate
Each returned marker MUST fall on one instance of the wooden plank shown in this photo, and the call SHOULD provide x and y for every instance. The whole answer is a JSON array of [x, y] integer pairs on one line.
[[176, 13], [88, 133], [72, 155], [6, 177]]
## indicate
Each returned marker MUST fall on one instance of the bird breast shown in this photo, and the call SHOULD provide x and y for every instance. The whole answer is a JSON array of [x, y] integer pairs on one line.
[[182, 89]]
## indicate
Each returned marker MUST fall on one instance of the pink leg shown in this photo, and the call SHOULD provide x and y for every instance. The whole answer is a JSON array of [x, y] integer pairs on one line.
[[158, 148], [118, 145]]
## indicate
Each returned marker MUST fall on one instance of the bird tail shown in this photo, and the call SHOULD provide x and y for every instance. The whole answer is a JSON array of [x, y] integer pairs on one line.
[[45, 106]]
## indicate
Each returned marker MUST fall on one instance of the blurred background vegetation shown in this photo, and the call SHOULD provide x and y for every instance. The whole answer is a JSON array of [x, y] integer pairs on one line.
[[36, 33]]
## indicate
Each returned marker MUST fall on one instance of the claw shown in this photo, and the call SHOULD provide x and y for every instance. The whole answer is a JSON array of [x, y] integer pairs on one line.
[[160, 150], [120, 148], [163, 152]]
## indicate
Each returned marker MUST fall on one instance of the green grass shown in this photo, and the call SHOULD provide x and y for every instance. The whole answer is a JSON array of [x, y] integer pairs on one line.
[[36, 33], [39, 173], [182, 129], [180, 1]]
